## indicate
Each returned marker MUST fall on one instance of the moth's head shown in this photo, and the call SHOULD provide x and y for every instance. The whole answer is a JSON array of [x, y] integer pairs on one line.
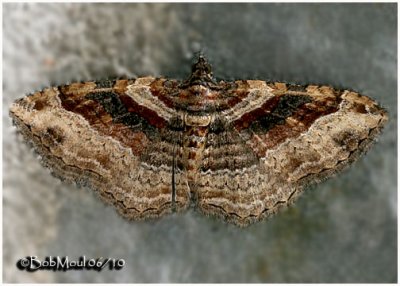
[[202, 68], [201, 73]]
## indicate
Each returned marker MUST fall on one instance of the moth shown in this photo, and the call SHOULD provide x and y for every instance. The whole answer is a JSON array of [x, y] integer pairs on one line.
[[237, 150]]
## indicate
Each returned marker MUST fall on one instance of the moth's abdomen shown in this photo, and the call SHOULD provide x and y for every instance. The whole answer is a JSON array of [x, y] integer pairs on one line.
[[194, 141]]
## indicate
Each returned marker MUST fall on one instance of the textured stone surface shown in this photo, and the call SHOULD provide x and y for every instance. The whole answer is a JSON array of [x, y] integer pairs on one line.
[[342, 231]]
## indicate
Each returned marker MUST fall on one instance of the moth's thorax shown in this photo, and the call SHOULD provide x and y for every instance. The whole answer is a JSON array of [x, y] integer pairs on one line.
[[196, 94], [197, 120], [198, 91]]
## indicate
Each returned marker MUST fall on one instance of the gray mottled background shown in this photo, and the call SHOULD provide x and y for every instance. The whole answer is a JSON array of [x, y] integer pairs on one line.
[[343, 230]]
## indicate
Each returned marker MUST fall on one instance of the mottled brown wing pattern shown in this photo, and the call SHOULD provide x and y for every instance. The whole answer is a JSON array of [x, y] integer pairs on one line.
[[237, 150], [280, 141], [99, 136]]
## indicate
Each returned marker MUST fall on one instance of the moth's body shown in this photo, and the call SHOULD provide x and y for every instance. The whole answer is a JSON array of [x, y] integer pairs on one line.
[[239, 150]]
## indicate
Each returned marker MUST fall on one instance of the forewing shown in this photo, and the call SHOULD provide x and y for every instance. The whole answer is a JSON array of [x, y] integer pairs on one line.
[[102, 135], [279, 139]]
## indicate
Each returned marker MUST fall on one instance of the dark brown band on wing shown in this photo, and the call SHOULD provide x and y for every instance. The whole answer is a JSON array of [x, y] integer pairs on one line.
[[163, 90], [149, 115], [274, 111], [102, 121], [300, 120]]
